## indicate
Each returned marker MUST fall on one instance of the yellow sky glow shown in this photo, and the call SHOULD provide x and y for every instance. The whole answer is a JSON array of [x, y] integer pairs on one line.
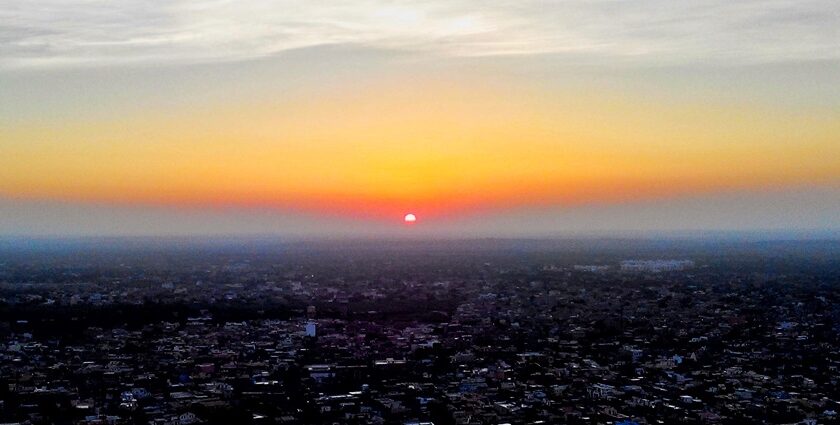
[[431, 147]]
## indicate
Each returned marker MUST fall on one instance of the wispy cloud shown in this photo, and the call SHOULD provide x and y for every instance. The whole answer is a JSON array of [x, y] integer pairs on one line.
[[54, 33]]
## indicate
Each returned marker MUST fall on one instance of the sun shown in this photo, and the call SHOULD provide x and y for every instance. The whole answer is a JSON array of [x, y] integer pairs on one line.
[[410, 218]]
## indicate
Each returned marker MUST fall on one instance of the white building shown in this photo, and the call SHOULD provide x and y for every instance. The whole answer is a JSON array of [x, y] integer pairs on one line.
[[655, 266]]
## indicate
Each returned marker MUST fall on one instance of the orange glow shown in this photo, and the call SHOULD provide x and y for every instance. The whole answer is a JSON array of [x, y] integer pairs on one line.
[[439, 148]]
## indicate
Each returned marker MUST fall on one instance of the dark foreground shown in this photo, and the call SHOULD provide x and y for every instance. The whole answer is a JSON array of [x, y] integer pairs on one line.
[[482, 332]]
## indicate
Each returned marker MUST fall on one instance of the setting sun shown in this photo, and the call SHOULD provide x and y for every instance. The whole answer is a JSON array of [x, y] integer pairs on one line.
[[337, 119]]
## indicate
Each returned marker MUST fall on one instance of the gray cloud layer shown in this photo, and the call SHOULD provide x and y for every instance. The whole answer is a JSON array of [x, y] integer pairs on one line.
[[54, 33]]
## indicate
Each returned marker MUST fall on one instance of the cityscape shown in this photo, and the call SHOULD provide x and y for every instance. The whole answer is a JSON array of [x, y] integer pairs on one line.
[[477, 332], [436, 212]]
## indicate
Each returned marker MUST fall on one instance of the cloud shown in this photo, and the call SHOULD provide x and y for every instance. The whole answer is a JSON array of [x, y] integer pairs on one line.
[[56, 33]]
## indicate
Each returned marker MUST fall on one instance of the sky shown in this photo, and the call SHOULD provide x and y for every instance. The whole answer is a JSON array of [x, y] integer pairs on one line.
[[493, 118]]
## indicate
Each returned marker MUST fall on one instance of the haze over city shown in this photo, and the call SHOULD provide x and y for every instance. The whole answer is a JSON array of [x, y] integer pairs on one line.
[[442, 212]]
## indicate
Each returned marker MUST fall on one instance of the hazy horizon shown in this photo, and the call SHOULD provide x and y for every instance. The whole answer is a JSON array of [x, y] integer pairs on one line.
[[523, 119], [800, 214]]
